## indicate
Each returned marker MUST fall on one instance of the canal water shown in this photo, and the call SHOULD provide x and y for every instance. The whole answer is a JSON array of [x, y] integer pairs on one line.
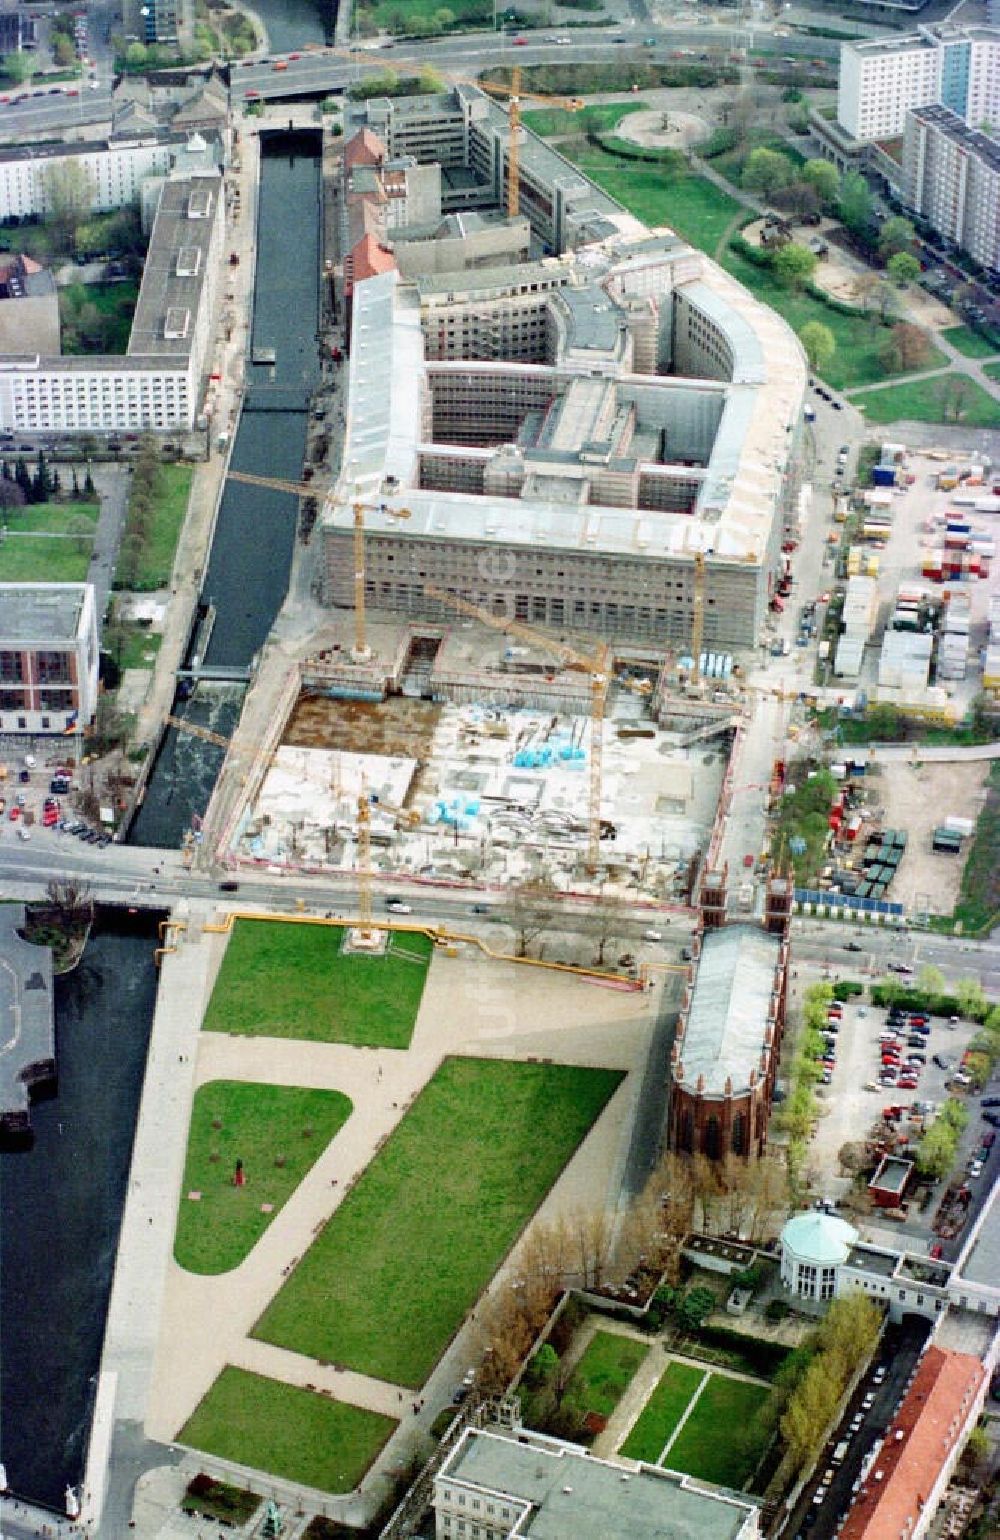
[[251, 554], [60, 1210], [293, 23]]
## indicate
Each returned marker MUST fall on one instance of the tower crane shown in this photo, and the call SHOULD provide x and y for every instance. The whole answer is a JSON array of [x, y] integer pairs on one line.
[[361, 652], [597, 664]]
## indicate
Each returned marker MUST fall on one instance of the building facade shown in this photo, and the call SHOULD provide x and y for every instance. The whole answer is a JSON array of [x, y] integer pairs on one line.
[[951, 178], [111, 173], [158, 383], [882, 79], [48, 657]]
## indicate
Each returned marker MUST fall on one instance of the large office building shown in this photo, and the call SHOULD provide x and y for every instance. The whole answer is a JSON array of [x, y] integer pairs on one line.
[[157, 383], [48, 657], [951, 178], [882, 79], [496, 1485], [569, 441], [109, 173]]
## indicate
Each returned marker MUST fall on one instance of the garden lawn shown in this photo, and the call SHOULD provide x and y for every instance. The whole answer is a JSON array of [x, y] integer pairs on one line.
[[34, 559], [858, 337], [115, 307], [993, 370], [389, 1279], [723, 1440], [139, 648], [292, 1433], [597, 117], [662, 1412], [260, 1125], [696, 209], [931, 401], [605, 1370], [54, 518], [173, 489], [293, 980], [972, 343], [399, 15]]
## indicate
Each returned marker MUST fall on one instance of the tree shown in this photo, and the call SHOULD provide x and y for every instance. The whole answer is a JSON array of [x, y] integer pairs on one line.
[[69, 193], [801, 198], [897, 234], [825, 178], [819, 344], [930, 980], [18, 67], [793, 265], [607, 916], [766, 171], [136, 55], [903, 269], [906, 348], [956, 397], [11, 495], [429, 82], [63, 51], [530, 911], [971, 998], [936, 1151], [854, 204]]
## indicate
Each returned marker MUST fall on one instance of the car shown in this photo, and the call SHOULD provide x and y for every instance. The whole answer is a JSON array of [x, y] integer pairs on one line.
[[899, 967], [827, 1077], [988, 1141], [856, 1422], [72, 91], [975, 1169], [868, 1401], [15, 813], [853, 946], [686, 954], [881, 1371], [229, 886], [914, 1041], [104, 840], [918, 1019], [990, 1101], [23, 833], [907, 1082], [396, 906], [652, 935], [835, 1009], [838, 406], [993, 1118], [520, 42], [916, 1058]]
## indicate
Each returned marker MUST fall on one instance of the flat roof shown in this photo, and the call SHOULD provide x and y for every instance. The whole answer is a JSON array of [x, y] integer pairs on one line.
[[980, 1261], [41, 612], [185, 222], [724, 1031], [892, 1174], [569, 1492], [983, 146]]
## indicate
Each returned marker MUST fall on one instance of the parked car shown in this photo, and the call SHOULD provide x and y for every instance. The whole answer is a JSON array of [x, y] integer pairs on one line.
[[990, 1101], [853, 946]]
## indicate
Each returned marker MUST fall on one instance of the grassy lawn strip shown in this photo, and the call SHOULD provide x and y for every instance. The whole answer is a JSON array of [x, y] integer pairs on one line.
[[173, 491], [931, 401], [993, 370], [973, 344], [52, 518], [139, 648], [722, 1440], [293, 981], [662, 1412], [858, 337], [697, 210], [389, 1278], [292, 1433], [260, 1125], [605, 1371], [597, 116], [24, 559]]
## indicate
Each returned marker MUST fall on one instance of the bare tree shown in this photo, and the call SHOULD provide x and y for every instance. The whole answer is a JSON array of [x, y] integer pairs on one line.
[[607, 915], [73, 899], [530, 911]]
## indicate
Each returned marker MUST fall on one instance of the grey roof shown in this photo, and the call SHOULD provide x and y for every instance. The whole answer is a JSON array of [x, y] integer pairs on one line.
[[724, 1032], [570, 1493], [980, 1263], [47, 613], [983, 146], [27, 1026], [185, 220]]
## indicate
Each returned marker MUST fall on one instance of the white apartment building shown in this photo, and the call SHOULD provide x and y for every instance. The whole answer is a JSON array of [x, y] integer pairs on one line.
[[157, 383], [952, 179], [48, 657], [114, 173], [881, 79]]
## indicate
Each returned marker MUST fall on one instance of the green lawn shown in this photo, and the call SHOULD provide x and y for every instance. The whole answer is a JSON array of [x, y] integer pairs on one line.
[[140, 648], [55, 518], [169, 510], [931, 401], [973, 344], [398, 15], [662, 1412], [25, 559], [390, 1277], [993, 370], [289, 1432], [598, 117], [605, 1371], [261, 1125], [697, 210], [723, 1439], [858, 337], [284, 980]]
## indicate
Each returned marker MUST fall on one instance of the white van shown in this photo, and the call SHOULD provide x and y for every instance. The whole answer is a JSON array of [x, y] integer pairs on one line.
[[840, 1453]]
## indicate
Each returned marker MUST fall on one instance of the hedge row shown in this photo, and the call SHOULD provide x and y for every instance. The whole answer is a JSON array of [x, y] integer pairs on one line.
[[760, 1356], [845, 989], [920, 1000], [624, 150]]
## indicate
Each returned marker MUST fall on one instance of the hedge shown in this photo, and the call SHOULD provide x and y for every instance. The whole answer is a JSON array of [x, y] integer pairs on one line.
[[759, 1356], [920, 1000], [625, 150], [844, 989]]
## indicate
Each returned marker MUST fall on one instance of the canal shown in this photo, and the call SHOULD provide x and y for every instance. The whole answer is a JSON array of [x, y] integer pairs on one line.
[[251, 554], [60, 1210], [293, 23]]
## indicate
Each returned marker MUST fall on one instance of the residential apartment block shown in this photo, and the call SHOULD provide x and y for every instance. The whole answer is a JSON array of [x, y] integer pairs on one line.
[[951, 178], [113, 172], [881, 79], [157, 384], [497, 1485], [48, 657]]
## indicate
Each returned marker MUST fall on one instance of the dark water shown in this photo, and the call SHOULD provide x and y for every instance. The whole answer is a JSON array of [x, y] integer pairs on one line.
[[290, 23], [60, 1211], [251, 554]]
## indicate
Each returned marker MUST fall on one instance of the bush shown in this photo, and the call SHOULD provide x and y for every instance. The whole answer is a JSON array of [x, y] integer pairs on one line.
[[752, 1354], [776, 1310], [719, 142], [844, 989]]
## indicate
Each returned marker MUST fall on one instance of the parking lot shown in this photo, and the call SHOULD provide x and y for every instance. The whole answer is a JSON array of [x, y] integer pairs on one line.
[[855, 1096]]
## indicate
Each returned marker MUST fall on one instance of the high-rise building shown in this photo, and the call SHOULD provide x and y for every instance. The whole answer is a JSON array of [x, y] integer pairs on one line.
[[952, 179], [881, 79]]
